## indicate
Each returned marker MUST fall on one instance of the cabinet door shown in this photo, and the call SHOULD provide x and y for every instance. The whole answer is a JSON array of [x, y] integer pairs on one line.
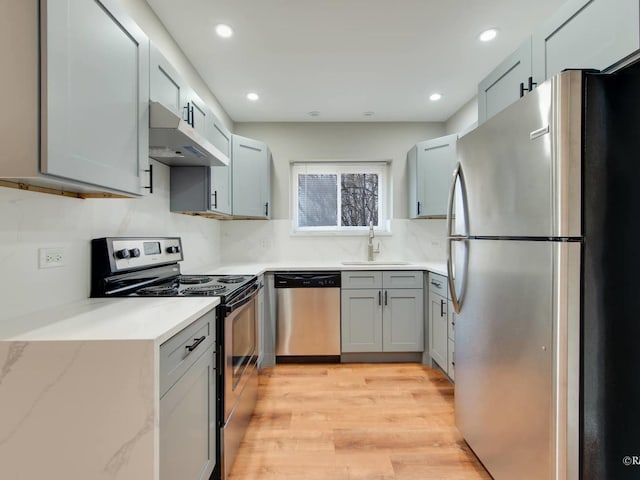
[[166, 86], [95, 95], [586, 34], [436, 160], [402, 320], [451, 364], [198, 112], [502, 86], [361, 317], [451, 320], [251, 178], [188, 424], [220, 176], [438, 329]]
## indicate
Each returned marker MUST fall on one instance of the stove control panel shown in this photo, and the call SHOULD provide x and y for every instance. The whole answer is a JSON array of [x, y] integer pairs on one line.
[[128, 253]]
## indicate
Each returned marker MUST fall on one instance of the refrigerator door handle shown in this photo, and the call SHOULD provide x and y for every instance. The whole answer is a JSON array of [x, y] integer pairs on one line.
[[457, 175]]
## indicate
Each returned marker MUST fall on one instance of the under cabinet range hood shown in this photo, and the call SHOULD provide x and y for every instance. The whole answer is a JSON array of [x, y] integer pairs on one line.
[[174, 142]]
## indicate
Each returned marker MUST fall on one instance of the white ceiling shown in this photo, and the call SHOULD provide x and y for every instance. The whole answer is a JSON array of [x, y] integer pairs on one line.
[[346, 57]]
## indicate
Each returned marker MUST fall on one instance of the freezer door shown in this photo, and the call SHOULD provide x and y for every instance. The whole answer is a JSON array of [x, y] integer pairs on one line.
[[522, 166], [504, 358]]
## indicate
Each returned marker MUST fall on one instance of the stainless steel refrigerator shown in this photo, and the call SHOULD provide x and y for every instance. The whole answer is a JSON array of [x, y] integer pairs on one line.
[[543, 270]]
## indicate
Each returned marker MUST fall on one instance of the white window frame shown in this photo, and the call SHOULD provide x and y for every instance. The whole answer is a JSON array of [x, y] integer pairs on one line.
[[381, 168]]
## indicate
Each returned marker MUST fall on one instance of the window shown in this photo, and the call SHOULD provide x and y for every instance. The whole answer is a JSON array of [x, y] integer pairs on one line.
[[344, 197]]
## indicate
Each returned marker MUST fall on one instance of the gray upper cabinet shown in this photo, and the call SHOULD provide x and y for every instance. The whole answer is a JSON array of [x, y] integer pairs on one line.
[[430, 165], [92, 63], [583, 34], [251, 178], [503, 85], [221, 179], [166, 86], [586, 34], [179, 120]]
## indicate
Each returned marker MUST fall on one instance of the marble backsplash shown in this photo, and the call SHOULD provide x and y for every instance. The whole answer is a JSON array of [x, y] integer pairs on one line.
[[29, 221], [271, 241]]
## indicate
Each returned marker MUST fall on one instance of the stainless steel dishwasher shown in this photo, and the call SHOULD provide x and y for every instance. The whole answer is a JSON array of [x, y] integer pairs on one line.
[[308, 327]]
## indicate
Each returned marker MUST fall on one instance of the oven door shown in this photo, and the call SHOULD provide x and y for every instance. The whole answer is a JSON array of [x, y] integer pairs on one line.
[[240, 346]]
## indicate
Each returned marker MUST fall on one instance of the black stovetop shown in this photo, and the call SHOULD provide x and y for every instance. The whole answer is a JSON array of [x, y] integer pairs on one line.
[[195, 286]]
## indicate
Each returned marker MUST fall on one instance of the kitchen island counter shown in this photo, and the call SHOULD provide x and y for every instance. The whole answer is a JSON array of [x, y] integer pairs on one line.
[[79, 387]]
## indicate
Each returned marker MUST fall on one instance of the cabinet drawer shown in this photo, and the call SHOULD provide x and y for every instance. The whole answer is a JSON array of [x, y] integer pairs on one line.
[[402, 279], [362, 279], [438, 284], [176, 357]]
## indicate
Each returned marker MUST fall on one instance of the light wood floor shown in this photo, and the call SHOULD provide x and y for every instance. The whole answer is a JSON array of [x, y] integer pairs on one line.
[[354, 422]]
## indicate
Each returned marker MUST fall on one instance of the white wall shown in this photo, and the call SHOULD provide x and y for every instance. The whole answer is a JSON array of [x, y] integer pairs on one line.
[[465, 119], [256, 241]]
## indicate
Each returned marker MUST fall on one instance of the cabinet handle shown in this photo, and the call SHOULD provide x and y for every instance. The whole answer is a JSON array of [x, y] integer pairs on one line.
[[266, 209], [436, 284], [215, 199], [150, 186], [385, 298], [185, 112], [530, 83], [379, 297], [442, 308], [196, 342], [418, 208], [193, 117]]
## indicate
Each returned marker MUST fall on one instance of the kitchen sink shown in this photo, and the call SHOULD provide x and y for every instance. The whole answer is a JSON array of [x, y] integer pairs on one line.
[[376, 262]]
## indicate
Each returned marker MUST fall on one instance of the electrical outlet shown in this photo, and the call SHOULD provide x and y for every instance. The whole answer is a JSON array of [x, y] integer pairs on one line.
[[51, 257]]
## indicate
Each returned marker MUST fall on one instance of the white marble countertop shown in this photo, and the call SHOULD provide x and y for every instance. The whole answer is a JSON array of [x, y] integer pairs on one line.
[[156, 319], [260, 268]]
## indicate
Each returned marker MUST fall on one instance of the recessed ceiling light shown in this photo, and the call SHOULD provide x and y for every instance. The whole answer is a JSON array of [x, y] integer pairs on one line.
[[369, 114], [224, 31], [253, 96], [314, 113], [434, 97], [488, 35]]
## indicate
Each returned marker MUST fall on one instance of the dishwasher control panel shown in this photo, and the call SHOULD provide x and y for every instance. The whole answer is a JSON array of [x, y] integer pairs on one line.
[[307, 280]]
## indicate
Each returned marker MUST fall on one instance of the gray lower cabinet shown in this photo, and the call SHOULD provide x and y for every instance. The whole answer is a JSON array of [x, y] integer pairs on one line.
[[361, 320], [430, 165], [438, 329], [251, 178], [78, 94], [382, 319], [441, 325], [187, 419]]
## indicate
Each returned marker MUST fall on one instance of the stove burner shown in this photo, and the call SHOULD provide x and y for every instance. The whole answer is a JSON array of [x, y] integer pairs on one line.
[[193, 279], [204, 291], [158, 291], [231, 279]]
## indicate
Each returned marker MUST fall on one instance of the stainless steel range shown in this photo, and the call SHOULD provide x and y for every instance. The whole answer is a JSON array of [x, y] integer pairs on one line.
[[148, 267]]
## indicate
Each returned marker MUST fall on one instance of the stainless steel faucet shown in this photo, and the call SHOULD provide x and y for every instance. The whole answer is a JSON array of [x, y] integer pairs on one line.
[[370, 251]]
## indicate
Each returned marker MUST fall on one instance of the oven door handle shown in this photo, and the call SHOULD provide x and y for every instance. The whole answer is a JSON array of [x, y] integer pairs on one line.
[[246, 298]]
